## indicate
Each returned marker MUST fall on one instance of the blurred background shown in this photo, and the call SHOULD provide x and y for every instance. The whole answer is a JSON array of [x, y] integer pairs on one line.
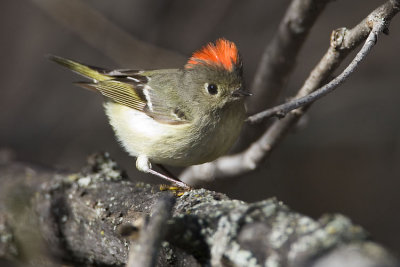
[[345, 160]]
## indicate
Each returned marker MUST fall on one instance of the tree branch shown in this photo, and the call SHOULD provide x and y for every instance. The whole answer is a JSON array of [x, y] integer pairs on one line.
[[342, 42], [282, 110], [74, 219], [279, 57], [145, 252]]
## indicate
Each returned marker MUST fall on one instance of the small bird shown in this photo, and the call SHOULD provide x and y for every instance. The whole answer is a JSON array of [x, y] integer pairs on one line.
[[177, 117]]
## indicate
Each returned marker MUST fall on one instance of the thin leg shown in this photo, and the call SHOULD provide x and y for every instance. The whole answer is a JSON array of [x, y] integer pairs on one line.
[[177, 182], [167, 172], [143, 164]]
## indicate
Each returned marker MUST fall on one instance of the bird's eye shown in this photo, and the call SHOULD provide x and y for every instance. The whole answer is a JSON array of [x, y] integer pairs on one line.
[[212, 89]]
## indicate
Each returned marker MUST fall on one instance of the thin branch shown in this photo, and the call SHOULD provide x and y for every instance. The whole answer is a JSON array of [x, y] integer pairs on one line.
[[92, 27], [282, 110], [279, 57], [145, 252], [342, 42]]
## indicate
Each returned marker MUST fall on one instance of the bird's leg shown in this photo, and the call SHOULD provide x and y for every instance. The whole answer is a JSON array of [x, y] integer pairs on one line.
[[177, 190], [175, 182], [143, 164], [167, 172]]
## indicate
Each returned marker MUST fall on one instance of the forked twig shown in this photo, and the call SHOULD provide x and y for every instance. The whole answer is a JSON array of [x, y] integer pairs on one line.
[[283, 109], [279, 57]]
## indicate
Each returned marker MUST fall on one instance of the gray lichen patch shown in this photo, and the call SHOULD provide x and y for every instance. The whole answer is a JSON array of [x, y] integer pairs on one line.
[[100, 168], [8, 247], [329, 232], [261, 233]]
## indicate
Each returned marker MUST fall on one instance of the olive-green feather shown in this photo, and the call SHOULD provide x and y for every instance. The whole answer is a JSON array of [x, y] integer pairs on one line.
[[120, 92], [80, 68]]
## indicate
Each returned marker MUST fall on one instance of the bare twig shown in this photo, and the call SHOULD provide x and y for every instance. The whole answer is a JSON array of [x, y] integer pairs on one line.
[[278, 61], [282, 110], [92, 27], [144, 253], [280, 55], [342, 42]]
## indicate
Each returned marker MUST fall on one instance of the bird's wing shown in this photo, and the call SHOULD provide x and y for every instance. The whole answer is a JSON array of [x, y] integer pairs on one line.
[[127, 87], [135, 92]]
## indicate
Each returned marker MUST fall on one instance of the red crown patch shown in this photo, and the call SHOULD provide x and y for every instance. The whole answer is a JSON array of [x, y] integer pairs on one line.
[[223, 54]]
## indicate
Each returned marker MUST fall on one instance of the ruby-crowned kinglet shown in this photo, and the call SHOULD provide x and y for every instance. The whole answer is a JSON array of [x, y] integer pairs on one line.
[[178, 117]]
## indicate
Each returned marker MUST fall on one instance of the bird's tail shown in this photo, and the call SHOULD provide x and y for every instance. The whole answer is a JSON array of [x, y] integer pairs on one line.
[[86, 71]]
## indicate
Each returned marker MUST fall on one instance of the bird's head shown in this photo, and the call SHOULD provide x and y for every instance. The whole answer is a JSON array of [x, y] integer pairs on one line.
[[215, 74]]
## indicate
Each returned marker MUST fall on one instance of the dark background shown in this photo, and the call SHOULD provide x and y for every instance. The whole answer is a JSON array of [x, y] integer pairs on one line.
[[346, 160]]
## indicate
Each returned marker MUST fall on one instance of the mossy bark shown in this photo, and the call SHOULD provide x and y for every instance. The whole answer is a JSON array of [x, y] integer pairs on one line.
[[50, 218]]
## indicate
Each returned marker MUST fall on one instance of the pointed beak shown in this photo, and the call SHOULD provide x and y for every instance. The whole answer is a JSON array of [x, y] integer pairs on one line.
[[240, 93]]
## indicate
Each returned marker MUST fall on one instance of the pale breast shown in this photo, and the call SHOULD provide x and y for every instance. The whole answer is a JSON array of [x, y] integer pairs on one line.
[[179, 145]]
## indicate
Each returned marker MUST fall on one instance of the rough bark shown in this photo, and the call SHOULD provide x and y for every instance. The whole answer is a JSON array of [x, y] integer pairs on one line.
[[49, 218]]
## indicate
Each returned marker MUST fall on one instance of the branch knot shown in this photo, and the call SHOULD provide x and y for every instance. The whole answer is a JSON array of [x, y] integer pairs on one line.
[[338, 37]]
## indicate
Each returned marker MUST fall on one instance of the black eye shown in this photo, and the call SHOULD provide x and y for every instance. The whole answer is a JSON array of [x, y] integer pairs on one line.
[[212, 89]]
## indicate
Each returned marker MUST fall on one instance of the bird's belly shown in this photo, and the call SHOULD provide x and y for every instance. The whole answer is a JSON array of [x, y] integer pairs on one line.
[[177, 145]]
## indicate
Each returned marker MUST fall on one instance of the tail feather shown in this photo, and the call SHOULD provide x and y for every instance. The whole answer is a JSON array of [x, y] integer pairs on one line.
[[79, 68]]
